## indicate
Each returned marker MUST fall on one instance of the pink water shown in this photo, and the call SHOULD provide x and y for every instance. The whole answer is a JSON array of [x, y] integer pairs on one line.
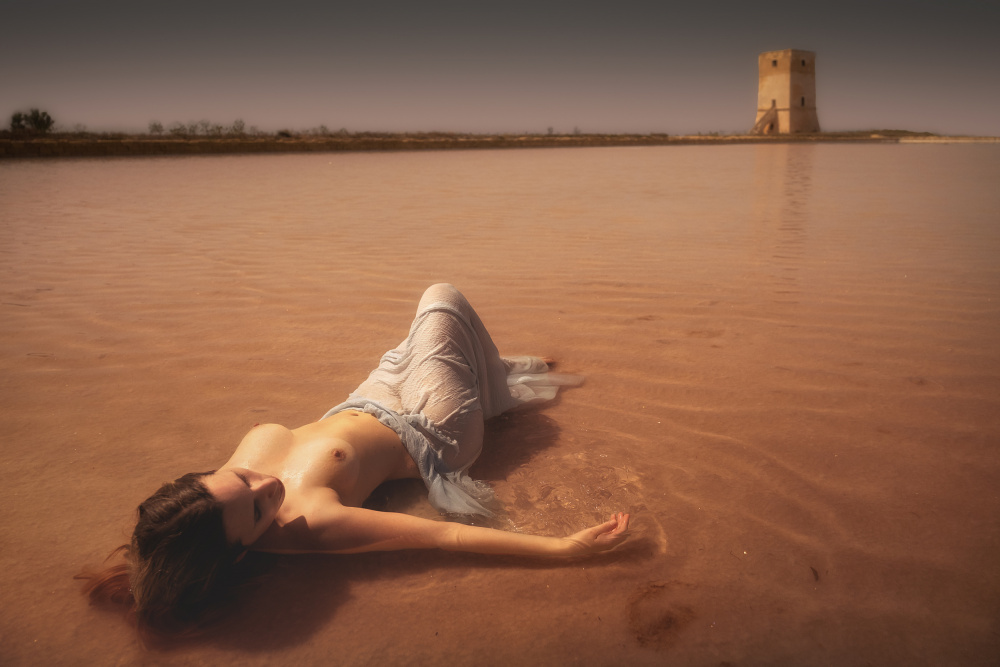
[[792, 356]]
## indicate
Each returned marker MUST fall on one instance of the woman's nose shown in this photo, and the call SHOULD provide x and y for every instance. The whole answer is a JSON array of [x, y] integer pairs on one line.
[[268, 487]]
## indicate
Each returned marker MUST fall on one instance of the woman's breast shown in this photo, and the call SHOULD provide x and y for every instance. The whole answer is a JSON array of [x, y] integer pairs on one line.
[[350, 453], [329, 462], [344, 466]]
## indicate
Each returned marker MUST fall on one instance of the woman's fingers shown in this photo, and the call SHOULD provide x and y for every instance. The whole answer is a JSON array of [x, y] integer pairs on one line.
[[613, 531], [603, 536]]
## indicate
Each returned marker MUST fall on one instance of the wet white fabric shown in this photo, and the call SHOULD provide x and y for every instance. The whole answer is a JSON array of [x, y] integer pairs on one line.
[[438, 387]]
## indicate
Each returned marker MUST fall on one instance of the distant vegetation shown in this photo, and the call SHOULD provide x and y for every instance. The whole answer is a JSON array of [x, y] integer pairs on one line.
[[236, 130], [33, 122], [33, 134], [37, 123]]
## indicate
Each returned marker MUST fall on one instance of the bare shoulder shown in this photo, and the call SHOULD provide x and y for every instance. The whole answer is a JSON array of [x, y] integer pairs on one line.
[[306, 512], [322, 524]]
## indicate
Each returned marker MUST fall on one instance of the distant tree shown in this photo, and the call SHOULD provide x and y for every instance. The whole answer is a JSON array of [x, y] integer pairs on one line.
[[178, 129], [237, 127], [18, 122], [284, 134], [35, 121], [551, 131], [155, 127], [323, 131], [40, 121], [206, 126], [217, 130], [192, 128]]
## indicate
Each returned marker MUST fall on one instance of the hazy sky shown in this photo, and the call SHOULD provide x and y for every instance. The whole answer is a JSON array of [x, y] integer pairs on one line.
[[613, 66]]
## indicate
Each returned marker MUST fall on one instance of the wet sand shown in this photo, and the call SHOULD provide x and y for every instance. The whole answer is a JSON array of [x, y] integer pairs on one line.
[[793, 384]]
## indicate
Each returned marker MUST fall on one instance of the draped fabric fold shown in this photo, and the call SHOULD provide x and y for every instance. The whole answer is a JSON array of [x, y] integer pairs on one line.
[[438, 386]]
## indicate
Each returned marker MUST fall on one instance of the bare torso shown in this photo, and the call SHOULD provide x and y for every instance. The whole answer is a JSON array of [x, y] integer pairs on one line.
[[300, 491], [348, 454]]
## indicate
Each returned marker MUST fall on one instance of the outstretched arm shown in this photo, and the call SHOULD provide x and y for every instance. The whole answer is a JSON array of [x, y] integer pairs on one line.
[[340, 529], [601, 537]]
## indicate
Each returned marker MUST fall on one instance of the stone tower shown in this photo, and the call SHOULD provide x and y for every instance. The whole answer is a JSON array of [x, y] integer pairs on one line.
[[786, 94]]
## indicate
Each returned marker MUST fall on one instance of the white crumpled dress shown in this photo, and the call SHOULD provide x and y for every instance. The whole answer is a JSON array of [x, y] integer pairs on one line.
[[439, 385]]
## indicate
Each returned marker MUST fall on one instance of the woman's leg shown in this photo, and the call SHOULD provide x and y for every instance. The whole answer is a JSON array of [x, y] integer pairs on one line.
[[449, 370], [476, 346], [449, 364]]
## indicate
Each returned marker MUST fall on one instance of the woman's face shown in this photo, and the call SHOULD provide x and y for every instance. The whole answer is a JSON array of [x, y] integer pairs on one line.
[[250, 502]]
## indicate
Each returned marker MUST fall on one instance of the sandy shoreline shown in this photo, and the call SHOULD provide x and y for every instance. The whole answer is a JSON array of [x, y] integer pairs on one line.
[[792, 383], [146, 146]]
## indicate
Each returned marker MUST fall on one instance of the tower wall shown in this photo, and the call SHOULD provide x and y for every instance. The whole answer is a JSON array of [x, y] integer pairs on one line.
[[786, 93]]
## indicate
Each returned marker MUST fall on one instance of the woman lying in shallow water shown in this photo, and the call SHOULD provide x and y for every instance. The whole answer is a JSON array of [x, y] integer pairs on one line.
[[420, 414]]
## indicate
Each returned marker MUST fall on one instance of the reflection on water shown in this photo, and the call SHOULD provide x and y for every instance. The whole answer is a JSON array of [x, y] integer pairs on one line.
[[782, 184], [792, 383]]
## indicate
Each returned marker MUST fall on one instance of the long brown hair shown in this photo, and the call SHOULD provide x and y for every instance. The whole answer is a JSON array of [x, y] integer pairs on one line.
[[178, 562]]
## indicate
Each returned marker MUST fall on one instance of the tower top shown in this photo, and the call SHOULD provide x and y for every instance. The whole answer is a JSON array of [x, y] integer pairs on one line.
[[792, 52]]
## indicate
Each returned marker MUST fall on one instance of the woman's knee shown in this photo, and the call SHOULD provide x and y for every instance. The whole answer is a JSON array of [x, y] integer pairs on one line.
[[441, 289], [442, 293]]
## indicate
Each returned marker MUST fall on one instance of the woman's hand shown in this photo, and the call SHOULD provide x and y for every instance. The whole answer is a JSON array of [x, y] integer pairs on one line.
[[601, 537]]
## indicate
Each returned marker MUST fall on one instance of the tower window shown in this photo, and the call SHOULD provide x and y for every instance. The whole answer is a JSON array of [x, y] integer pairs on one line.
[[774, 63], [803, 63], [803, 101]]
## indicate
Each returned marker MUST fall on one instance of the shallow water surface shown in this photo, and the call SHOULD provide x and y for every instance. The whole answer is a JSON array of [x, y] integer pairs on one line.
[[793, 384]]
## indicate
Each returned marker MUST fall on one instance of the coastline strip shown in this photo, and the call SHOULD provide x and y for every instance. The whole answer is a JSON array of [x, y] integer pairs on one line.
[[56, 146]]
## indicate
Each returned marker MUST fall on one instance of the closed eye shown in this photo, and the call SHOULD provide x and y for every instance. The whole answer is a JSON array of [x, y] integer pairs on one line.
[[256, 508]]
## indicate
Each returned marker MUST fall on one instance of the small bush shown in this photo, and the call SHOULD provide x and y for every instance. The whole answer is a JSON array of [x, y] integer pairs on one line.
[[33, 122]]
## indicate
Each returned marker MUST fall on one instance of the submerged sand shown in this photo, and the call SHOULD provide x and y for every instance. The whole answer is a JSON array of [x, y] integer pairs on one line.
[[793, 384]]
